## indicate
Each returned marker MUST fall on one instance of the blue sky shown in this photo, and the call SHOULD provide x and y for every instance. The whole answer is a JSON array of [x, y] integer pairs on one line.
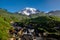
[[17, 5]]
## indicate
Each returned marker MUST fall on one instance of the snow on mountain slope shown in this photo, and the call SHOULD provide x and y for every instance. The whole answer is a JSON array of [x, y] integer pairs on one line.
[[28, 11]]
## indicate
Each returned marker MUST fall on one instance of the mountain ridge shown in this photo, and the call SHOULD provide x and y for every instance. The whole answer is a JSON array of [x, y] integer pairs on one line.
[[28, 11]]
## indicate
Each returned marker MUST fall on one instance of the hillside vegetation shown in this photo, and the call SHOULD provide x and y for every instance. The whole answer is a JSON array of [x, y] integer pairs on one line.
[[41, 22], [46, 23], [5, 19]]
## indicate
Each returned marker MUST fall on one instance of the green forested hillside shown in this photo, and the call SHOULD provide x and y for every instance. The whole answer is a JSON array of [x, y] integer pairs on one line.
[[46, 23], [41, 22]]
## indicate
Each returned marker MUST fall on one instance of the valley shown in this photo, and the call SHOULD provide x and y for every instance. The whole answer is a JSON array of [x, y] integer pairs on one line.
[[29, 27]]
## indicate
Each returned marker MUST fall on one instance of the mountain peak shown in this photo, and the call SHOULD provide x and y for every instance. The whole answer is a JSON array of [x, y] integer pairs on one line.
[[29, 10]]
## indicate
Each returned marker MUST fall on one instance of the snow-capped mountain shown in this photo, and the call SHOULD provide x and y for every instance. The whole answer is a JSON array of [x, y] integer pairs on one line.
[[28, 11]]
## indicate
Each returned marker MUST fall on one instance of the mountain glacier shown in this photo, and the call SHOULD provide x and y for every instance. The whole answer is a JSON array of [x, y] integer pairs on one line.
[[28, 11]]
